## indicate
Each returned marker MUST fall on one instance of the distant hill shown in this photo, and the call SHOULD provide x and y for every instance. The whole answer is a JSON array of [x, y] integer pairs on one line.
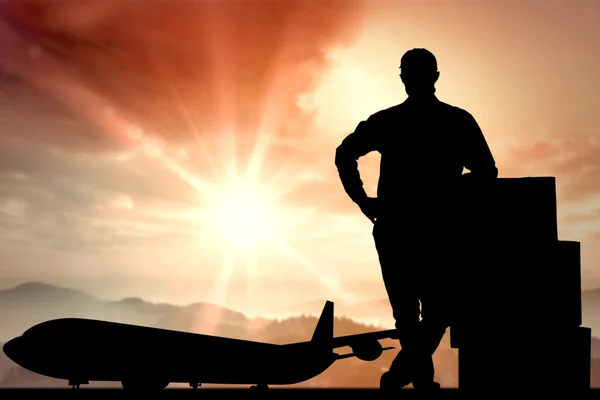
[[28, 304], [590, 305], [595, 348], [5, 362], [377, 312], [31, 303], [344, 373]]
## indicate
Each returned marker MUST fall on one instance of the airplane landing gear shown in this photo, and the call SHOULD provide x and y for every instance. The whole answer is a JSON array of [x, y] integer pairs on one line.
[[194, 385], [75, 383], [260, 387]]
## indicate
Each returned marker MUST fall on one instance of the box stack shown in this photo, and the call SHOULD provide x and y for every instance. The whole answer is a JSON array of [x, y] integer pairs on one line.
[[518, 323]]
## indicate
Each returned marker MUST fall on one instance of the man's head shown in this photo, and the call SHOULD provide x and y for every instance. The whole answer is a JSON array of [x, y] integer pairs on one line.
[[418, 71]]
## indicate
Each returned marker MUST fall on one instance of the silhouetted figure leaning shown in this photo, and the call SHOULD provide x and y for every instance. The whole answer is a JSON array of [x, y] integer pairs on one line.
[[425, 145]]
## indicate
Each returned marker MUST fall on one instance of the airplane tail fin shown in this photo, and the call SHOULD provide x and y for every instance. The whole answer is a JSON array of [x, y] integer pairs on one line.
[[324, 331]]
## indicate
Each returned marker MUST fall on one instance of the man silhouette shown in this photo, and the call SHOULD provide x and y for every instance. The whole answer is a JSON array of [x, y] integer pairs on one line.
[[424, 144]]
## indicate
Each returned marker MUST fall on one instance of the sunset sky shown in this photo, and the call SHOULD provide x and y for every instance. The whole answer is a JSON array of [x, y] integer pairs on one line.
[[126, 126]]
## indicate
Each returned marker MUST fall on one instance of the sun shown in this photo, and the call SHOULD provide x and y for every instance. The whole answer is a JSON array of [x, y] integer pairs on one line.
[[244, 216]]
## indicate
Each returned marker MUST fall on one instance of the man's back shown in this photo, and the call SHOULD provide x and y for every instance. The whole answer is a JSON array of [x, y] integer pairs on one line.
[[419, 145], [424, 146]]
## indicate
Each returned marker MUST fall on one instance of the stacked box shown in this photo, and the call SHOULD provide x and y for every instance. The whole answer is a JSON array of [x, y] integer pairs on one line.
[[521, 284], [542, 361], [584, 351], [518, 317], [514, 209]]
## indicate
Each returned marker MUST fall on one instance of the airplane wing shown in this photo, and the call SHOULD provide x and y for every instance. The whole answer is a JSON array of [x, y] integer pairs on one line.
[[350, 340]]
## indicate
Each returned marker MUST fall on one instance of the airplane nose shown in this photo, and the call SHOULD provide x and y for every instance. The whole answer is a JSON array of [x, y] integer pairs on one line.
[[11, 349]]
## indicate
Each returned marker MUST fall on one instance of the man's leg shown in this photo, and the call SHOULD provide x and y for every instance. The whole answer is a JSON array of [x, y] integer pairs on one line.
[[429, 337], [437, 303], [400, 285]]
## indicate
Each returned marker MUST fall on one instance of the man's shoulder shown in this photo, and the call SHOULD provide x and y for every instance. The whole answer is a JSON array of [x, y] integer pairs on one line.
[[453, 109], [386, 113], [394, 112]]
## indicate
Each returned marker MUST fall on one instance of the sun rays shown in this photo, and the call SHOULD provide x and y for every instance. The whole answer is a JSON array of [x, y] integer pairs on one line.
[[240, 217], [241, 214]]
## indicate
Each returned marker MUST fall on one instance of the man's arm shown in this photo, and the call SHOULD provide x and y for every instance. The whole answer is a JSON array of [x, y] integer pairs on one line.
[[477, 155], [355, 145]]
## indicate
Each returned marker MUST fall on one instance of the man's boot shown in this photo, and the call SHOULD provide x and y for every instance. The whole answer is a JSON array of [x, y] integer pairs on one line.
[[430, 391], [399, 374], [425, 386]]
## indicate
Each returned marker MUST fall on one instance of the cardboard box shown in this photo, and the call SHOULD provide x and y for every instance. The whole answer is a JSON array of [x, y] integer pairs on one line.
[[514, 209], [535, 361], [514, 284]]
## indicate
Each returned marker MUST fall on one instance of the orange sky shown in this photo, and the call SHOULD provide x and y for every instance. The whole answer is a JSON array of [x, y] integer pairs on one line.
[[125, 125]]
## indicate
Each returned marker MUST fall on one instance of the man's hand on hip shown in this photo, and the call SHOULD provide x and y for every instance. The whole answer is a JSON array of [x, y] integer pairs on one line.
[[370, 207]]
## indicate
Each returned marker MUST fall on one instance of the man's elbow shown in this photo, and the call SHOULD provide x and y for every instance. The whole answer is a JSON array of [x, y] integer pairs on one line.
[[341, 156], [494, 172], [491, 172]]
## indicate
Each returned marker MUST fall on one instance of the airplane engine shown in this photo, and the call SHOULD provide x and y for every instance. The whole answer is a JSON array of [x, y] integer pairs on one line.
[[367, 350]]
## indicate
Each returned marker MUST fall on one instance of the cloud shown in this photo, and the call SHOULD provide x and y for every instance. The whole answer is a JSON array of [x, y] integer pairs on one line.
[[67, 216], [582, 217], [29, 168], [179, 69], [28, 114], [574, 162], [57, 200], [79, 81]]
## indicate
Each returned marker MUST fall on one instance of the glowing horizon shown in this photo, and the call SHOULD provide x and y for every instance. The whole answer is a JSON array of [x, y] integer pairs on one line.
[[128, 148]]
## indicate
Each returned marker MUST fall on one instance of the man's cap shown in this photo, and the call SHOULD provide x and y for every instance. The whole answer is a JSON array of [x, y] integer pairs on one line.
[[419, 59]]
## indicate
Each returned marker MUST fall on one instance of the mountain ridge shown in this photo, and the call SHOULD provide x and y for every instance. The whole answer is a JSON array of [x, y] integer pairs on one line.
[[228, 323], [190, 318], [27, 304], [55, 301]]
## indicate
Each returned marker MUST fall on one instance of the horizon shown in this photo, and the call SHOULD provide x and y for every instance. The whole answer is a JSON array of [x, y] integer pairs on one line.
[[127, 297], [127, 149], [205, 321], [248, 313], [342, 309]]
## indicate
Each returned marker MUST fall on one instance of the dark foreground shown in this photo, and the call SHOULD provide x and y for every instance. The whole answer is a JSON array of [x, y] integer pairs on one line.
[[206, 393]]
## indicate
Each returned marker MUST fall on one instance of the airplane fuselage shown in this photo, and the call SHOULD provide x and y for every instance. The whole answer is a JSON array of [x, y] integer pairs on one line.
[[91, 350]]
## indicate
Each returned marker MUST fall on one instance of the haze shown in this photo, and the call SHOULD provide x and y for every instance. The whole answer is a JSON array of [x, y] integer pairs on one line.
[[130, 133]]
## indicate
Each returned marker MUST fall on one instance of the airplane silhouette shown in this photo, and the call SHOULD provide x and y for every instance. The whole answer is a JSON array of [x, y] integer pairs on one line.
[[146, 359]]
